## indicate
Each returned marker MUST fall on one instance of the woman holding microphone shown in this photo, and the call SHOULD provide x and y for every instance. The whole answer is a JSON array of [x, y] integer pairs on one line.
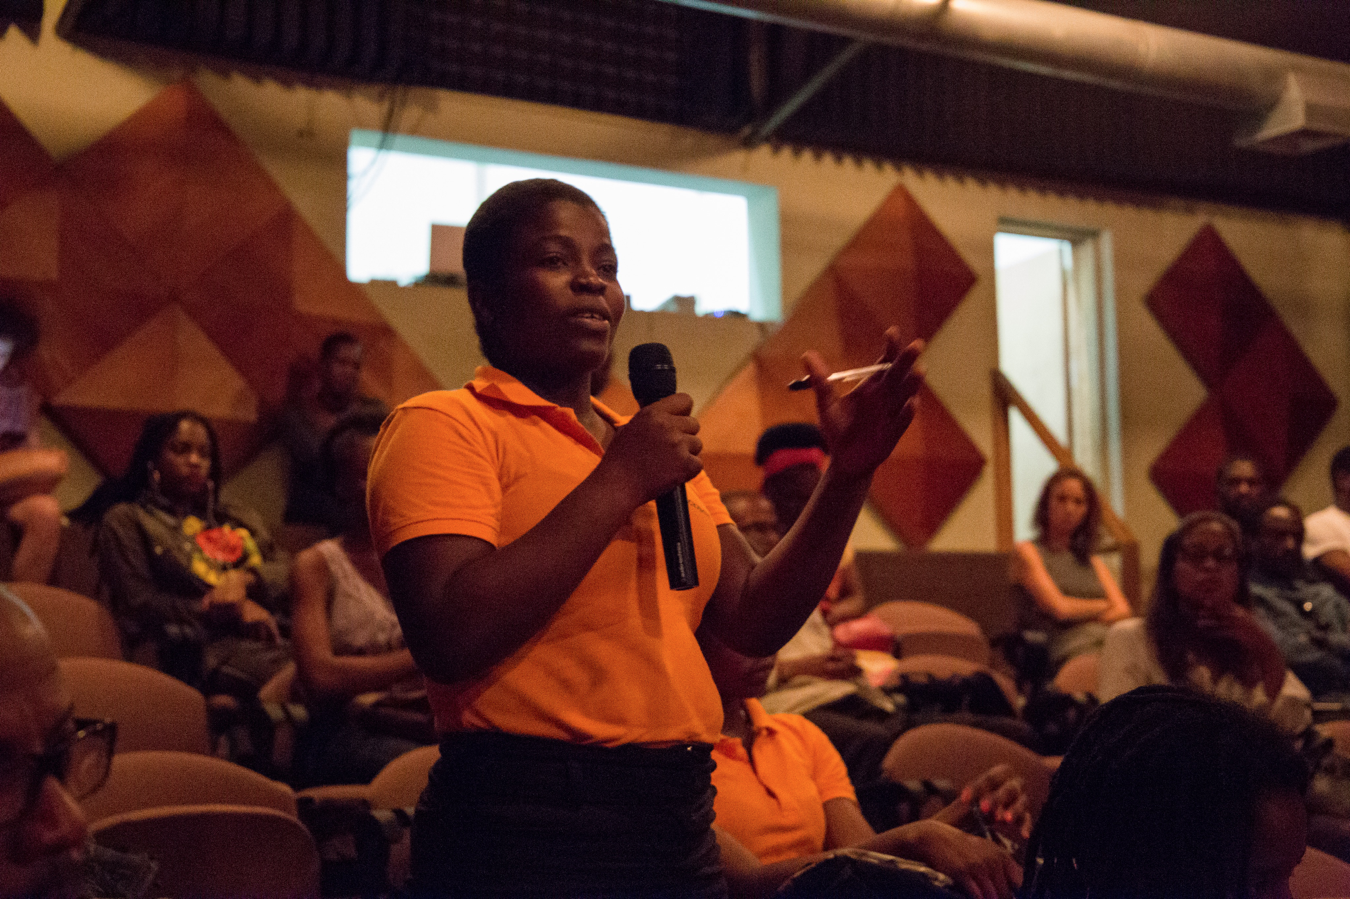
[[519, 540]]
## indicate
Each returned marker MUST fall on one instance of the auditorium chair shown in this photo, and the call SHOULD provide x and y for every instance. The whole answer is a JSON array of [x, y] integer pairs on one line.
[[1078, 675], [218, 851], [958, 754], [155, 778], [152, 709], [76, 625]]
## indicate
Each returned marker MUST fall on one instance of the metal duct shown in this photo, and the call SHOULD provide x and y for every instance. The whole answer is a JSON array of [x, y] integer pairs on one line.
[[1292, 103]]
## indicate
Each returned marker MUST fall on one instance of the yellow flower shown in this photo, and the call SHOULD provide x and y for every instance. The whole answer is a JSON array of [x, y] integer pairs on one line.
[[192, 525], [204, 570]]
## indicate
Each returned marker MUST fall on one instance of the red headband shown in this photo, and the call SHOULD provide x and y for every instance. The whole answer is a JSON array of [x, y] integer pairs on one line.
[[782, 459]]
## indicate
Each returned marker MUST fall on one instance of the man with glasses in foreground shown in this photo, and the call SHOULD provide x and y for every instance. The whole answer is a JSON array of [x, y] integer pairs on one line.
[[48, 761]]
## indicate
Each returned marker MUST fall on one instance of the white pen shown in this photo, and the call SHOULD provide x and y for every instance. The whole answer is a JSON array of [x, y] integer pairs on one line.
[[849, 374]]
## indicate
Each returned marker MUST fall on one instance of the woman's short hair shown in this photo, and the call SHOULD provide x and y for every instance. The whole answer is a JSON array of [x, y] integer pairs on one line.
[[789, 435], [1083, 540], [336, 341], [1158, 796], [491, 231], [1168, 624]]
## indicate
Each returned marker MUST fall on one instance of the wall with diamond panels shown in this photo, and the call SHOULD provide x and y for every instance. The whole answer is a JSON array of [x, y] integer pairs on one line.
[[67, 100]]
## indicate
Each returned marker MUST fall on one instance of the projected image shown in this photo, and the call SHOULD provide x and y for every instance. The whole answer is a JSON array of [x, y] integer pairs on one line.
[[685, 243]]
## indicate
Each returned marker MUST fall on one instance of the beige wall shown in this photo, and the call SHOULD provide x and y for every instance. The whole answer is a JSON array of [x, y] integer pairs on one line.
[[68, 98]]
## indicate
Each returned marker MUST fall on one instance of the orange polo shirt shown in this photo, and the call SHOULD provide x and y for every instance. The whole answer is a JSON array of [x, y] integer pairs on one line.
[[618, 662], [775, 804]]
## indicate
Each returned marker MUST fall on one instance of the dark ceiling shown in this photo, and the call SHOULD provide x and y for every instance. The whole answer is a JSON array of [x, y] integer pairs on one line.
[[667, 63]]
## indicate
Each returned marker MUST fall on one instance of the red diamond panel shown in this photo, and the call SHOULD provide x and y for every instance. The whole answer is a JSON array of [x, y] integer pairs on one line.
[[24, 164], [1267, 399], [171, 208], [898, 269]]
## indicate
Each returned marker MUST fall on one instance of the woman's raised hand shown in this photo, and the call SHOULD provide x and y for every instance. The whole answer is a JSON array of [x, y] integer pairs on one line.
[[657, 450], [863, 425]]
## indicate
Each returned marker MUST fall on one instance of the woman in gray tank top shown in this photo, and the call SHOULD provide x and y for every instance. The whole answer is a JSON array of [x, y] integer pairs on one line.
[[1067, 592]]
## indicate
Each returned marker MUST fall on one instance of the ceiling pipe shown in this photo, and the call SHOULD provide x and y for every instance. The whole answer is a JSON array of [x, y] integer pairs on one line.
[[1292, 103]]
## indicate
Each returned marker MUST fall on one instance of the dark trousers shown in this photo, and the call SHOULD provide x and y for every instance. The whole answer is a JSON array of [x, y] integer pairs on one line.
[[506, 815]]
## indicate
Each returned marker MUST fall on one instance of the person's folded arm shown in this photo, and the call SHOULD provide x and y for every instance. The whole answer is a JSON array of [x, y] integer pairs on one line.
[[1030, 572]]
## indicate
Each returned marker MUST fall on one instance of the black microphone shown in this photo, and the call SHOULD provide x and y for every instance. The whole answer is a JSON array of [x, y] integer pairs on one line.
[[651, 371]]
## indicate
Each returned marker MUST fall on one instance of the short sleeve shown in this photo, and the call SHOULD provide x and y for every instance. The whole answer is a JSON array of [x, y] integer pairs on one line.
[[828, 770], [1322, 533], [702, 485], [433, 471], [1126, 660]]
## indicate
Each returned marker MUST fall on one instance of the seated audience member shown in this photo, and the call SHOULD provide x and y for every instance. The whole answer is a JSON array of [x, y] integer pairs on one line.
[[1200, 631], [793, 456], [190, 579], [1069, 593], [814, 677], [783, 794], [755, 519], [28, 472], [1167, 792], [1241, 487], [1326, 540], [309, 417], [1303, 613], [1201, 634], [812, 652], [346, 637], [48, 762]]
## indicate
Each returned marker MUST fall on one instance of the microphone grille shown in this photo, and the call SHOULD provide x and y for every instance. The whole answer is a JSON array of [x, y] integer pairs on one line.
[[651, 371]]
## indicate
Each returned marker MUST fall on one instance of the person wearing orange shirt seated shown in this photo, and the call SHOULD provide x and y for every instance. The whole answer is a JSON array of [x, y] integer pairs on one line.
[[784, 796], [517, 527]]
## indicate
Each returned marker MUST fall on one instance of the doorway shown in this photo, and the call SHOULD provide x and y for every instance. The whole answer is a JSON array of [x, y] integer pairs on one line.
[[1057, 345]]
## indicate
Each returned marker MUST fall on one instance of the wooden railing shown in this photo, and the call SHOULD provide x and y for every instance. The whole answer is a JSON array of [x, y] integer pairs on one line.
[[1122, 538]]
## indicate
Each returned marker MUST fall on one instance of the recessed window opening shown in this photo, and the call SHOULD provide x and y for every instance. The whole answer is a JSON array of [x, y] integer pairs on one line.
[[1056, 343], [685, 243]]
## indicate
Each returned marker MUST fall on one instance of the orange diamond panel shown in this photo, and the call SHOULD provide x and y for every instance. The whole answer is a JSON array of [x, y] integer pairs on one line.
[[182, 277], [898, 269]]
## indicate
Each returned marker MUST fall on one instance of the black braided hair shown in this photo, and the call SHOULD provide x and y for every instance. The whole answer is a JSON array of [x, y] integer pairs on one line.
[[127, 487], [1157, 797]]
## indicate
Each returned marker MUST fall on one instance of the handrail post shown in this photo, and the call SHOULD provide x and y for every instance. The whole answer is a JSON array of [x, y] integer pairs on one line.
[[1003, 498], [1006, 396]]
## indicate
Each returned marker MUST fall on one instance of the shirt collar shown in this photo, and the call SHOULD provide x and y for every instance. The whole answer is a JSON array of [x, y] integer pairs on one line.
[[495, 385], [761, 721]]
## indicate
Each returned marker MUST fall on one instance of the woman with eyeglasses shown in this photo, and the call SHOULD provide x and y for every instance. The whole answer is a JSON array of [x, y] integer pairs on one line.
[[1200, 632]]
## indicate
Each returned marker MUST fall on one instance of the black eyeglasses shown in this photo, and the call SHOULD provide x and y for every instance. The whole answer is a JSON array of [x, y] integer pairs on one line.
[[80, 761]]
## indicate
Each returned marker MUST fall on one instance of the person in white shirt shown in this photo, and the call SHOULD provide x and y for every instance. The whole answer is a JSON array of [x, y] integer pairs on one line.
[[1326, 537]]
